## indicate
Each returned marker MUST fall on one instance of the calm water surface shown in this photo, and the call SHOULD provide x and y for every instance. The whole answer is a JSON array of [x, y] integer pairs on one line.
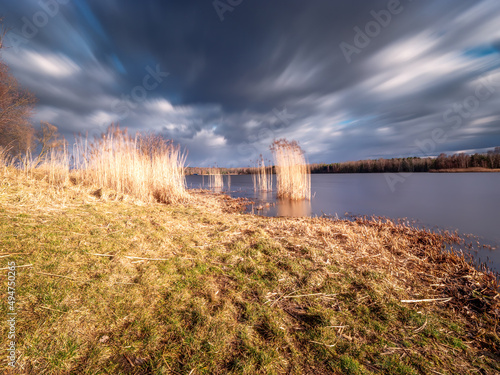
[[467, 202]]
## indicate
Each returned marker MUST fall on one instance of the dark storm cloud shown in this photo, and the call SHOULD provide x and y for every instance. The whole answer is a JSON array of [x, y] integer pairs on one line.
[[268, 69]]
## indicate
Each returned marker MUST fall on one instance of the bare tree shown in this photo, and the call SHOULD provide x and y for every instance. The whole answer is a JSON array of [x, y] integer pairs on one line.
[[16, 106], [49, 138]]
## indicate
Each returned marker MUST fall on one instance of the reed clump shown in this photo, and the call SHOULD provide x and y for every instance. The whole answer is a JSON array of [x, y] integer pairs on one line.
[[146, 166], [262, 177], [215, 180], [292, 172]]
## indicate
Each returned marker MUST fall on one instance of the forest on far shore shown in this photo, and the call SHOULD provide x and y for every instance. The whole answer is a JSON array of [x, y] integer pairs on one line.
[[489, 160]]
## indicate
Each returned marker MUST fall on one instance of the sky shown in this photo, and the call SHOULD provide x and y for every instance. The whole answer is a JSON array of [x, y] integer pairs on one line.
[[347, 80]]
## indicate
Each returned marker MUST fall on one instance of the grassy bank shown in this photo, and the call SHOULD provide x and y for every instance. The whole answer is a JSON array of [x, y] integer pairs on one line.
[[112, 285]]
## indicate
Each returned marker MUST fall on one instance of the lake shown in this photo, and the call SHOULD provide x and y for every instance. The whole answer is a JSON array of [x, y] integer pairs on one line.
[[467, 202]]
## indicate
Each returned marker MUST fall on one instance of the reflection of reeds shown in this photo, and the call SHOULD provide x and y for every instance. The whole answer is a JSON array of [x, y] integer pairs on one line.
[[215, 180], [292, 173], [262, 177]]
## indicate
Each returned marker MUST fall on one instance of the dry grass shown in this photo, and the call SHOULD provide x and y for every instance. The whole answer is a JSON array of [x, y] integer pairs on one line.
[[147, 167], [54, 166], [262, 177], [292, 172], [116, 286], [5, 159]]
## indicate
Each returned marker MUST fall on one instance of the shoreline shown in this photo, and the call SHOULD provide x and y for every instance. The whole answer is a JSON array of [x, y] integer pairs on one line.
[[201, 286], [451, 170], [465, 170]]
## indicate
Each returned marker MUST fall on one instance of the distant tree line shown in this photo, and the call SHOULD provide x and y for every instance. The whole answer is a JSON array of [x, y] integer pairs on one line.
[[490, 160], [206, 171]]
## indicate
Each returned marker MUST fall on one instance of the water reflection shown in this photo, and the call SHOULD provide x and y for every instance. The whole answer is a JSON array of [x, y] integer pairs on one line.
[[280, 207], [294, 208], [264, 196]]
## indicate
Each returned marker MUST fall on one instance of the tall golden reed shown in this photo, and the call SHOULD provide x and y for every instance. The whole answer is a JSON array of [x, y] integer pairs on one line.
[[262, 176], [215, 180], [146, 166], [292, 172]]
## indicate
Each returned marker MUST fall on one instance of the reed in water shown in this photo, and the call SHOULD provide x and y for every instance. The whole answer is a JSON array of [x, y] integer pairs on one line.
[[215, 180], [292, 172], [262, 177]]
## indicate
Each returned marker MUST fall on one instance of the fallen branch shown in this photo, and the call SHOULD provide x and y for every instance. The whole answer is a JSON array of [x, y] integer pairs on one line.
[[272, 304], [129, 361], [48, 308], [129, 257], [427, 300], [306, 295], [54, 275], [421, 328], [312, 294], [103, 255], [339, 234], [321, 343], [323, 295]]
